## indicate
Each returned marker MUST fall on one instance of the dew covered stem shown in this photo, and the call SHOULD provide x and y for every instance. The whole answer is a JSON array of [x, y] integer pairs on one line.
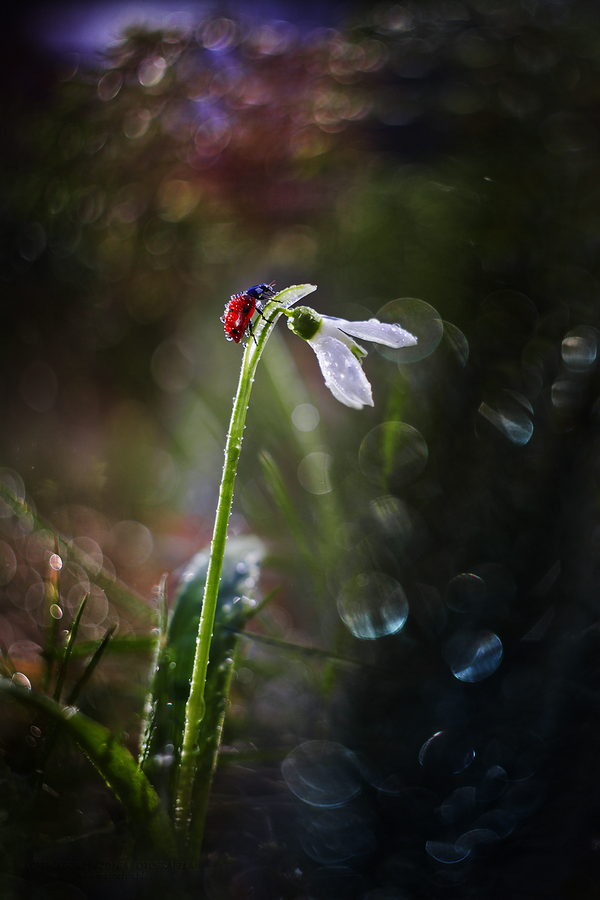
[[189, 820]]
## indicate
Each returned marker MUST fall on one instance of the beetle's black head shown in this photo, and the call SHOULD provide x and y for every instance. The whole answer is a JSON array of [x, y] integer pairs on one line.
[[258, 291]]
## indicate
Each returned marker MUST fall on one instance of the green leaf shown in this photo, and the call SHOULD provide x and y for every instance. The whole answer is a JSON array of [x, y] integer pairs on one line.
[[163, 732], [149, 822], [64, 663]]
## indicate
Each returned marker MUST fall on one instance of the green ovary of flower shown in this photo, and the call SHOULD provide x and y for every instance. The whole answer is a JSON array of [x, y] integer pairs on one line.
[[304, 322]]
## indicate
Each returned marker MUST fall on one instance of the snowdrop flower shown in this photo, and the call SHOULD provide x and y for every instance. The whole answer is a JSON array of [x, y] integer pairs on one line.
[[339, 356]]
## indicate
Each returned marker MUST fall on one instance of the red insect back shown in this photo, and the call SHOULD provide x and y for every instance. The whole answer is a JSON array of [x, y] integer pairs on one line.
[[241, 307], [236, 318]]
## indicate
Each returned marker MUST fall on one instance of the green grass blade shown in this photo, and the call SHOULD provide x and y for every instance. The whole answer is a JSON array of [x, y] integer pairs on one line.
[[50, 738], [116, 765], [141, 644], [91, 666], [64, 663]]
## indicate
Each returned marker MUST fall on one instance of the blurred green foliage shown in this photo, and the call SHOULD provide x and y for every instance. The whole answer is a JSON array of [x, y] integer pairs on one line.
[[190, 164], [443, 151]]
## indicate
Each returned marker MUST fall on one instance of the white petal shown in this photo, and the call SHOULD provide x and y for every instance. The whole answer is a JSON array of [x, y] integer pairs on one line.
[[379, 332], [329, 328], [342, 372]]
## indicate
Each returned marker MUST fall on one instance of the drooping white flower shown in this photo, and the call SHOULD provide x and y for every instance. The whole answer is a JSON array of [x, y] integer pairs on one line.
[[339, 356]]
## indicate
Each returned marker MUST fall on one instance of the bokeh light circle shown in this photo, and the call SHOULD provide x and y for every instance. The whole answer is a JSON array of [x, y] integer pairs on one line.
[[313, 472], [420, 319], [579, 349], [507, 413], [457, 344], [372, 605], [8, 563], [322, 773], [465, 592], [473, 655], [131, 543], [446, 752], [393, 453]]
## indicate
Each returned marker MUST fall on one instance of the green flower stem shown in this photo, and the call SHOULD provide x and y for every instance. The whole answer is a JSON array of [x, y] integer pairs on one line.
[[195, 705]]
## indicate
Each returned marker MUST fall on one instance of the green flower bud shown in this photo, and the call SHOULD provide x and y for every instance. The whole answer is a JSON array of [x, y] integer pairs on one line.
[[304, 322]]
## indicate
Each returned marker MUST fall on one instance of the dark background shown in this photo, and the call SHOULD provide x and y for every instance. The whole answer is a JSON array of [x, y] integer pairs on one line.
[[447, 152]]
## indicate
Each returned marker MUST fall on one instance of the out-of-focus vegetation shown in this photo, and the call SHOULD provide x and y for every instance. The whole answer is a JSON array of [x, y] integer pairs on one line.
[[442, 151]]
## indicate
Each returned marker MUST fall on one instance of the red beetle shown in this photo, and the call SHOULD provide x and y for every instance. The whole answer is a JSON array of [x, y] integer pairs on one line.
[[240, 309]]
